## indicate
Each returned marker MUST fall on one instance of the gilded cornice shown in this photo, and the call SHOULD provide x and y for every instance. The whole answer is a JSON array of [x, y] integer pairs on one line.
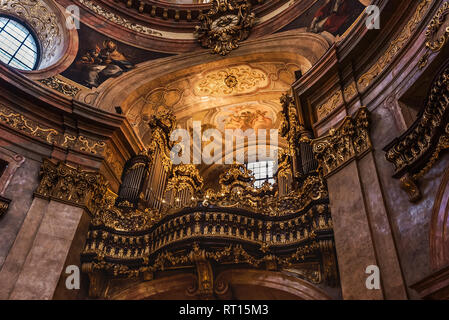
[[395, 46], [348, 141], [32, 128]]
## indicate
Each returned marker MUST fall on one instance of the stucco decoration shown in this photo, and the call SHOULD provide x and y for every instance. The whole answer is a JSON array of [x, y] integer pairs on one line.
[[233, 80]]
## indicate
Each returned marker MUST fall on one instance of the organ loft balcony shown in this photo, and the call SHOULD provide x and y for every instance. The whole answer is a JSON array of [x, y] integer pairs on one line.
[[166, 217]]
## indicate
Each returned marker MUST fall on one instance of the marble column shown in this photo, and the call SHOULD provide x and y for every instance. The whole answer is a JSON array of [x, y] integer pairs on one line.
[[362, 228], [37, 258], [40, 251]]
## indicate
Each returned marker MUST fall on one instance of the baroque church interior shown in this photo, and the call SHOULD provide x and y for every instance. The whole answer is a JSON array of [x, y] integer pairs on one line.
[[118, 179]]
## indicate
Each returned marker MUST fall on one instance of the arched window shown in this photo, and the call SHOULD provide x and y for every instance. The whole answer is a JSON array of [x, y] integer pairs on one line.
[[18, 45], [263, 171]]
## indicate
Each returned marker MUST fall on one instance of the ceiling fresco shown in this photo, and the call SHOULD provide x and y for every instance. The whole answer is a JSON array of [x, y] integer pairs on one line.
[[101, 57], [332, 16], [168, 26], [241, 95]]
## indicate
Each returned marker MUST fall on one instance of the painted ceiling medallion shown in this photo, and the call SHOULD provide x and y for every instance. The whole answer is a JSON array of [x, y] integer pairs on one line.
[[241, 79], [226, 24]]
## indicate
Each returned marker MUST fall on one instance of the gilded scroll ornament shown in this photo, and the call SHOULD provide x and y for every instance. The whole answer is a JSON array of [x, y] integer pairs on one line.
[[83, 144], [330, 105], [185, 176], [348, 141], [226, 24], [61, 86], [395, 46], [113, 161], [162, 125], [437, 33], [28, 126], [350, 91]]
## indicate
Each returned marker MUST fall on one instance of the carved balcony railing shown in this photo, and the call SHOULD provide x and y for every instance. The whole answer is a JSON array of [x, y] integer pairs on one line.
[[133, 243], [196, 229], [415, 152]]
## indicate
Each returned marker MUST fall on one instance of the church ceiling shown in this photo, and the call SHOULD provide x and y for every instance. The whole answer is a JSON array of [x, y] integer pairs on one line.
[[238, 93], [168, 26]]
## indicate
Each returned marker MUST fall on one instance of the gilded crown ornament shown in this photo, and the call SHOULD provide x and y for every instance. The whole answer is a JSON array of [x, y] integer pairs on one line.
[[226, 24]]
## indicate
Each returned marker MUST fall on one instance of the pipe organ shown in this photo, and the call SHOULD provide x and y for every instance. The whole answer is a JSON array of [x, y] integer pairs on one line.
[[183, 186], [284, 175], [134, 177], [145, 176]]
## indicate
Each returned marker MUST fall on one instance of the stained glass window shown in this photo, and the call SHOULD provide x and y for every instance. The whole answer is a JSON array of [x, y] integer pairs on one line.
[[18, 47]]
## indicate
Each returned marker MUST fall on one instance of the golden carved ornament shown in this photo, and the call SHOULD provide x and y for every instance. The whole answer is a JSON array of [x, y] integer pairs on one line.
[[61, 86], [290, 128], [162, 125], [240, 79], [350, 140], [226, 24], [68, 184], [84, 144], [240, 193], [185, 176], [114, 18], [330, 105], [437, 34], [395, 46], [418, 141], [350, 91], [113, 162], [284, 164], [31, 127]]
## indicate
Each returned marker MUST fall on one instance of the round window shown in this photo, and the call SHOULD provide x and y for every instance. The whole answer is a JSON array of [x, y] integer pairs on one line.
[[18, 46]]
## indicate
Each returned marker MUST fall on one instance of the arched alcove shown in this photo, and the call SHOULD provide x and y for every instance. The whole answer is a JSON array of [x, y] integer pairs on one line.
[[236, 284]]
